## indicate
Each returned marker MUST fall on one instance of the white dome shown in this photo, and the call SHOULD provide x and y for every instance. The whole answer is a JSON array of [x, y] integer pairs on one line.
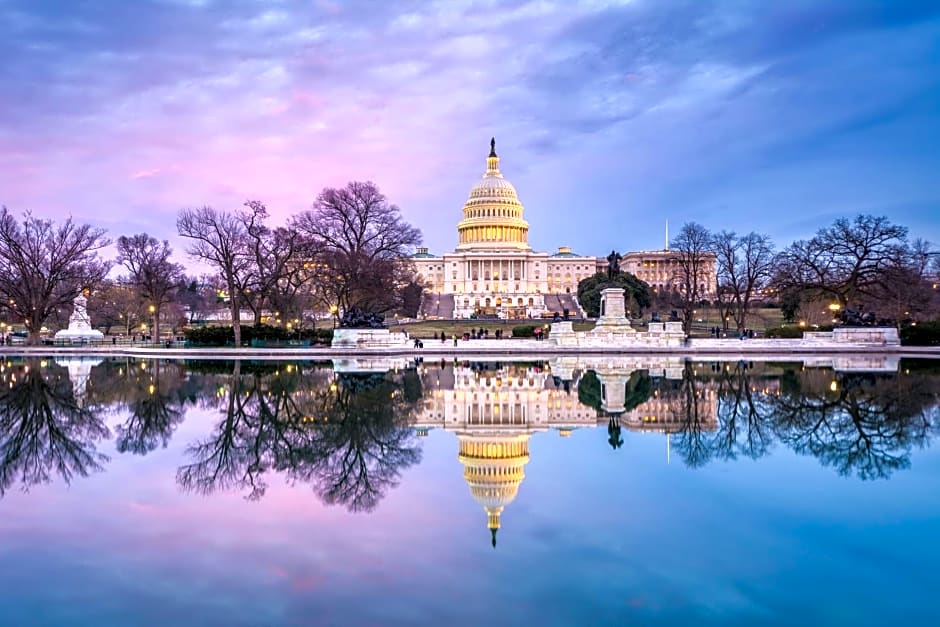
[[492, 215], [493, 183]]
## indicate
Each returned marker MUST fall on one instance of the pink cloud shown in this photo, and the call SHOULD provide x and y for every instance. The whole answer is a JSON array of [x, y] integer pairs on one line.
[[145, 174]]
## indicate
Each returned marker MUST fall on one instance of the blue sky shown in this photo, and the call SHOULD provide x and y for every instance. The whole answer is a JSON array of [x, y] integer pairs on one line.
[[610, 117]]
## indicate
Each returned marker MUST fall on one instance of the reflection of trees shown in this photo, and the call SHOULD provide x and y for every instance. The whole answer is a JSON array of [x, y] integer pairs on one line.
[[365, 441], [154, 393], [261, 411], [693, 438], [742, 411], [861, 424], [348, 438], [43, 430]]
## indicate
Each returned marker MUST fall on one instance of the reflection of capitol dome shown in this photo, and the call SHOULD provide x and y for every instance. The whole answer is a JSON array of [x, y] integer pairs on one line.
[[492, 216], [493, 468]]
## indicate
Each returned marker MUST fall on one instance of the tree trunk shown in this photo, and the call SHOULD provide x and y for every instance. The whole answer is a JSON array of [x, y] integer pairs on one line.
[[235, 308], [156, 325], [32, 337], [237, 322]]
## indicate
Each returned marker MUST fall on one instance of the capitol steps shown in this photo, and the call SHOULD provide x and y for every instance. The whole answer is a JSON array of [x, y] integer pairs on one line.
[[560, 302], [436, 306]]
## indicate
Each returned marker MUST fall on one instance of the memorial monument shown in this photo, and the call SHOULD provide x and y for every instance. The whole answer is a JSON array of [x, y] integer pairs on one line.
[[363, 329], [79, 324]]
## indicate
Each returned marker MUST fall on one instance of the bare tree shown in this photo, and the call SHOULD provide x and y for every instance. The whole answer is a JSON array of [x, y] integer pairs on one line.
[[219, 239], [360, 247], [44, 266], [275, 257], [153, 275], [115, 303], [843, 262], [199, 295], [905, 290], [693, 245], [744, 265]]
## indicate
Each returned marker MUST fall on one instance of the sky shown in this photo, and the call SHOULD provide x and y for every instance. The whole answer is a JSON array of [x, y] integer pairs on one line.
[[610, 116]]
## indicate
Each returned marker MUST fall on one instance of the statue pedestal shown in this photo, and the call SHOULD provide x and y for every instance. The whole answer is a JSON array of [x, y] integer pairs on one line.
[[563, 334], [369, 338], [613, 325], [666, 333]]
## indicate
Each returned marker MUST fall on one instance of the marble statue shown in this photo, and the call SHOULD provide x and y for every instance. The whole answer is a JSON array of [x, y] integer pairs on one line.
[[79, 323]]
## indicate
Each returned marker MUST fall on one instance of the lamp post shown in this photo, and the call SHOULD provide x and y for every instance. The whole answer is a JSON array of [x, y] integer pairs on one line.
[[333, 311], [153, 325], [834, 310]]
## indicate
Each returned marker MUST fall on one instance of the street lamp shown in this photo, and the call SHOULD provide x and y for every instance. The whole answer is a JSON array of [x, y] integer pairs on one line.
[[333, 311], [153, 325], [834, 310]]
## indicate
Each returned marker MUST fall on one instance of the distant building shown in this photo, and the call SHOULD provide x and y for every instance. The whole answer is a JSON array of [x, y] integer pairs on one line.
[[661, 270]]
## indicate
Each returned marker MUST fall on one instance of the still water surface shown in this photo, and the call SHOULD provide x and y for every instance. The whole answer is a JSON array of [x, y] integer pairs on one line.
[[142, 492]]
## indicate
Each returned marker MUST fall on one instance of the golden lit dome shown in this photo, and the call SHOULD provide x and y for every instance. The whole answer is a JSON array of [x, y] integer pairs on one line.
[[493, 468], [492, 215]]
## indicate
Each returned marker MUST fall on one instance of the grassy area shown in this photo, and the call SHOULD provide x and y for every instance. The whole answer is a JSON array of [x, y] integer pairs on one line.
[[433, 328], [758, 320]]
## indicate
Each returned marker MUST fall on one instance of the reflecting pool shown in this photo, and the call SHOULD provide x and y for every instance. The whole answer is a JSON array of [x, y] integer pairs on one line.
[[577, 491]]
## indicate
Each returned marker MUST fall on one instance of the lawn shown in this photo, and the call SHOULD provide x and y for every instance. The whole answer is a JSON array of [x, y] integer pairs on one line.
[[433, 328], [759, 320]]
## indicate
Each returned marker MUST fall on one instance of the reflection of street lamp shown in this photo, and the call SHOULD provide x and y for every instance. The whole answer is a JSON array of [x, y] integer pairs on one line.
[[333, 311]]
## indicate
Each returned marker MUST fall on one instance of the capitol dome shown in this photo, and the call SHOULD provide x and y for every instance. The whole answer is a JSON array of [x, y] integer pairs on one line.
[[494, 469], [492, 215]]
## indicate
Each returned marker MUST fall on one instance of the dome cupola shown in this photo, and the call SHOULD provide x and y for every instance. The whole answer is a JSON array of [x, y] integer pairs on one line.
[[492, 215]]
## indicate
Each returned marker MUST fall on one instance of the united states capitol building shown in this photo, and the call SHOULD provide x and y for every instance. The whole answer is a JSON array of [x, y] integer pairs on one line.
[[494, 272]]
